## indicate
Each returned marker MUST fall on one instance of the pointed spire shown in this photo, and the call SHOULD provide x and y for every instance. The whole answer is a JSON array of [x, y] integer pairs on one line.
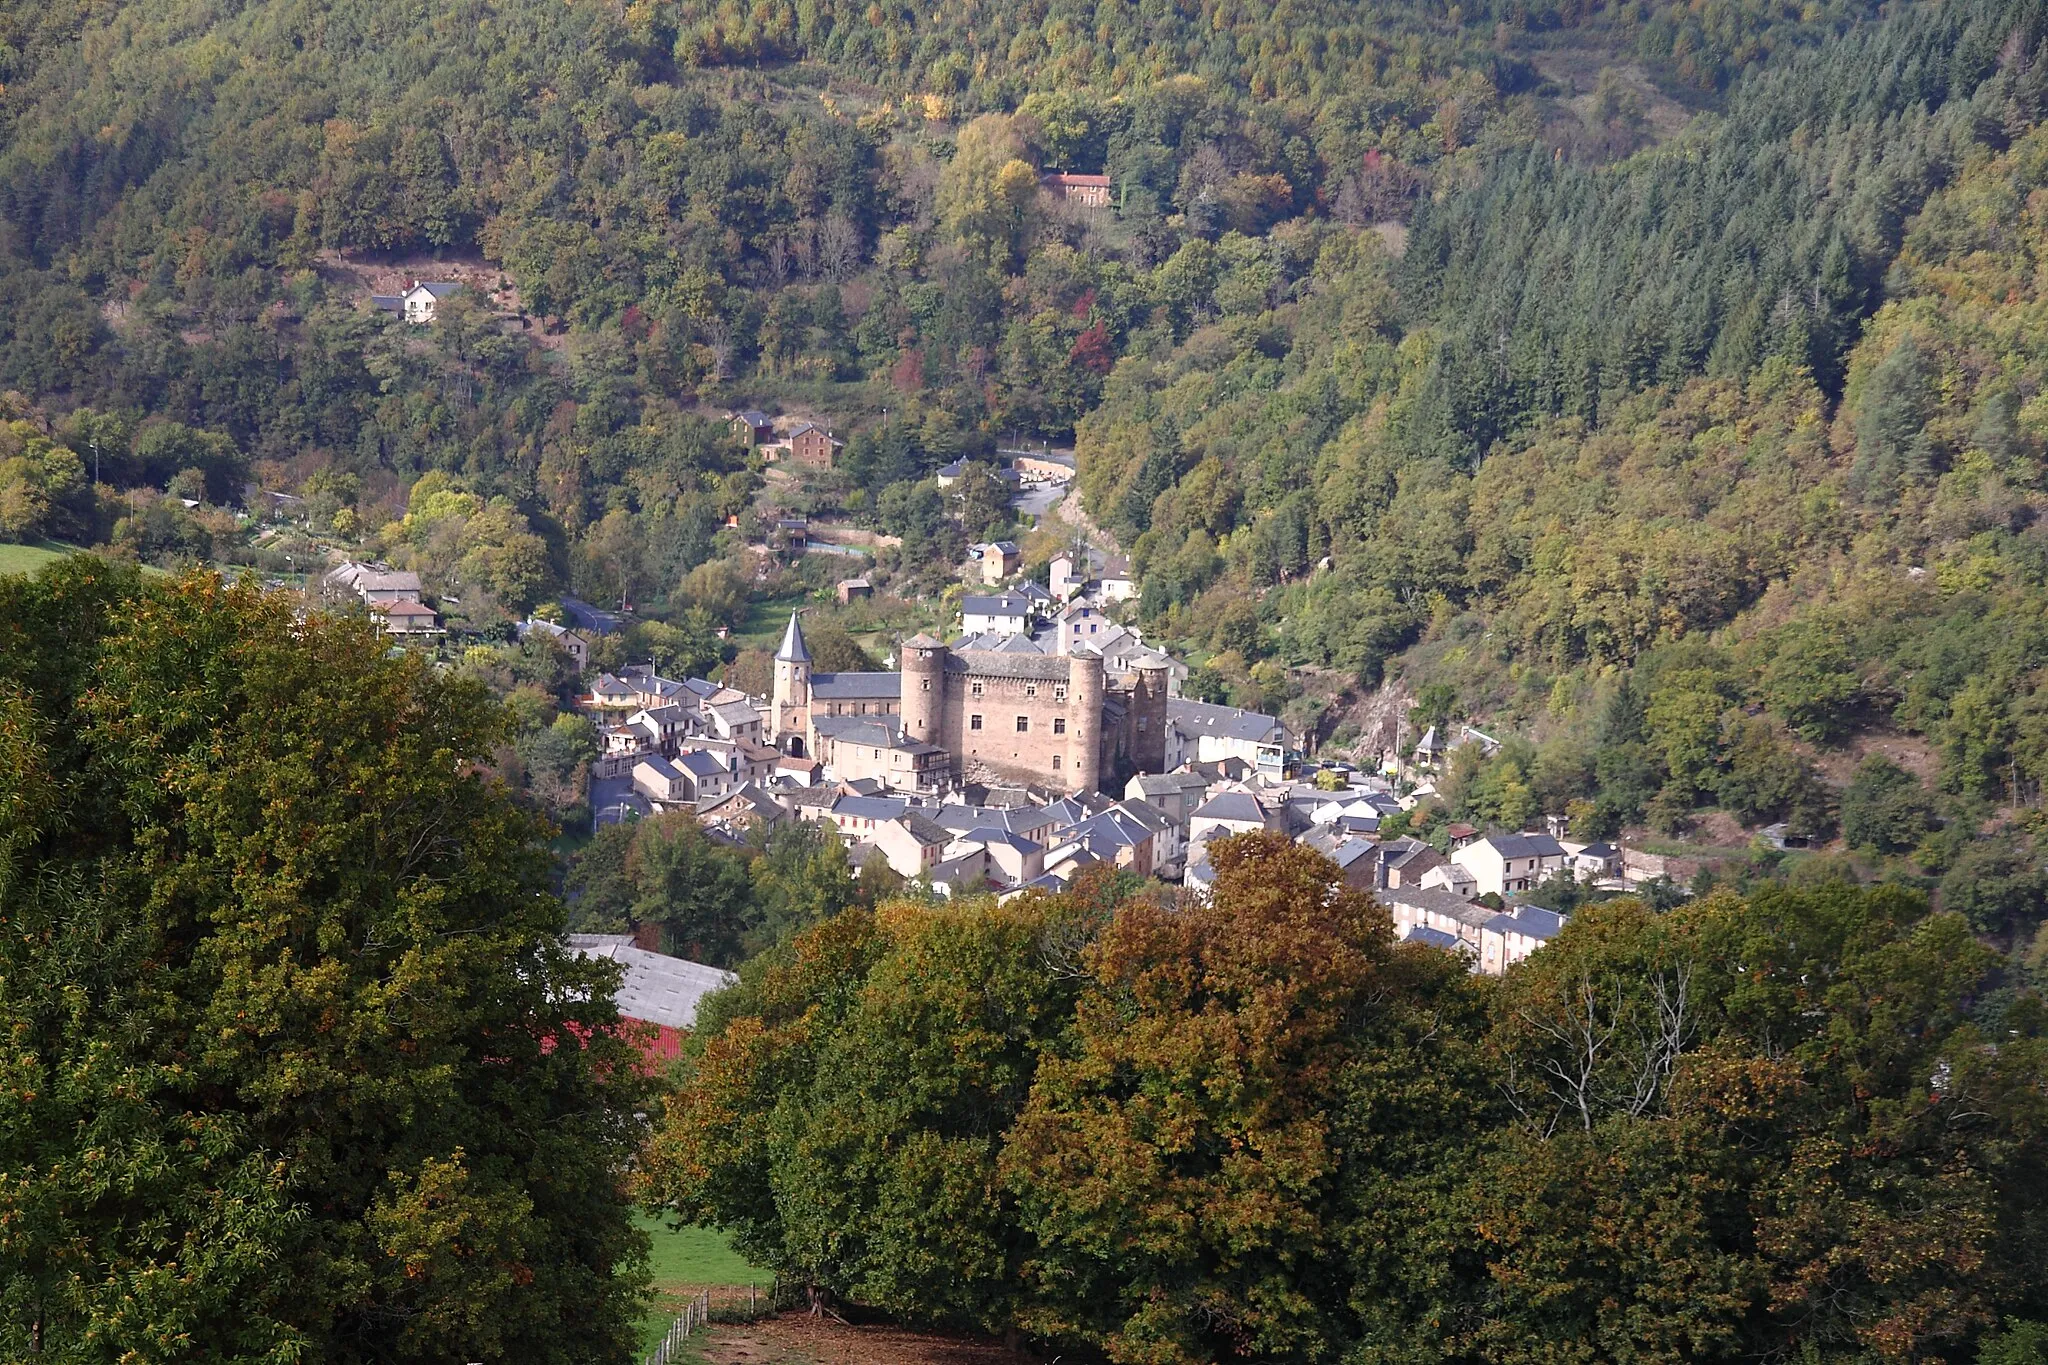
[[793, 650]]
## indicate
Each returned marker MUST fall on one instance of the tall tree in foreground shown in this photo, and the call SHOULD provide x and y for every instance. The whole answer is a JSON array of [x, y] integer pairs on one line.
[[292, 1063]]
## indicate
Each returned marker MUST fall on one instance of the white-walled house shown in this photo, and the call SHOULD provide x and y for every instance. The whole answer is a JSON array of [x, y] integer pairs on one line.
[[1507, 863], [1006, 613], [1452, 878], [423, 300]]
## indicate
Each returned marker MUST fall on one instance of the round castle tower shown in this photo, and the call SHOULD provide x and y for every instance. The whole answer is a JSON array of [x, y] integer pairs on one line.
[[924, 689], [1148, 709], [1084, 736]]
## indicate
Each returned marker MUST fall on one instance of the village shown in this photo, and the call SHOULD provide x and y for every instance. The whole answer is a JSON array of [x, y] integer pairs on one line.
[[1042, 739]]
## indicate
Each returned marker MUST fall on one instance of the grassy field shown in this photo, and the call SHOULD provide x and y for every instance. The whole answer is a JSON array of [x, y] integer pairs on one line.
[[697, 1257], [16, 559], [686, 1260]]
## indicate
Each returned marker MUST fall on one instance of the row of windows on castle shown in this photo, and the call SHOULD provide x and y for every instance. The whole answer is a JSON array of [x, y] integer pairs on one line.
[[889, 708]]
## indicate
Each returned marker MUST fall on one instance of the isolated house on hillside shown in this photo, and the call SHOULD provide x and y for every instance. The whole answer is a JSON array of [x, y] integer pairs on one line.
[[751, 425], [423, 300], [1089, 191], [811, 444]]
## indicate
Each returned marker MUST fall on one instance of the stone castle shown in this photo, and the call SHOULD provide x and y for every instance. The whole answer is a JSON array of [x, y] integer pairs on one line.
[[954, 715]]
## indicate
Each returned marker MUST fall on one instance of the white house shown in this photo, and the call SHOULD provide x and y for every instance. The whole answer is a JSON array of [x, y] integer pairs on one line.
[[1452, 878], [423, 300], [1005, 613], [1080, 623], [568, 638], [1510, 937], [661, 781], [1064, 581], [1510, 862], [1591, 862], [1197, 732], [1231, 813], [707, 776], [733, 719]]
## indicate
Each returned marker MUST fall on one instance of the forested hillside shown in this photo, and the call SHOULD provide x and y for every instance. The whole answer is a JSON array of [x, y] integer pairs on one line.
[[1654, 383]]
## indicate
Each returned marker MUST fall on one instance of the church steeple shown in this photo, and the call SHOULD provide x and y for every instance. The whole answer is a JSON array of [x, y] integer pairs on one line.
[[793, 649], [791, 717]]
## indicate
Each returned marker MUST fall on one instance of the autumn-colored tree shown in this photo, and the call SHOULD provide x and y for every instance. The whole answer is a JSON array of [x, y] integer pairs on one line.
[[1175, 1162]]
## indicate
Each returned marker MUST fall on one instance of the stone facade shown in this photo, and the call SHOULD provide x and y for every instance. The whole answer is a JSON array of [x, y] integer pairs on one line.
[[1049, 720], [811, 444]]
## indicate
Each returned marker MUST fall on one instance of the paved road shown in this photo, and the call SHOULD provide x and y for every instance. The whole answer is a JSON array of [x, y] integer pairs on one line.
[[1038, 501]]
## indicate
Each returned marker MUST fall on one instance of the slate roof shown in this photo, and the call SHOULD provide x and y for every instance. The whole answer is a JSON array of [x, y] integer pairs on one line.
[[1432, 898], [871, 807], [985, 835], [856, 686], [924, 829], [1234, 806], [1201, 718], [663, 769], [1008, 664], [1066, 812], [701, 765], [963, 819], [959, 872], [1165, 784], [1532, 922], [657, 988], [1525, 846], [1111, 830], [997, 642], [876, 732], [735, 713], [1435, 938], [793, 649], [996, 604]]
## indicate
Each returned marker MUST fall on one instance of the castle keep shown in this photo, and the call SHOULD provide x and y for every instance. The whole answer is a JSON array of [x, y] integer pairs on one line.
[[971, 714]]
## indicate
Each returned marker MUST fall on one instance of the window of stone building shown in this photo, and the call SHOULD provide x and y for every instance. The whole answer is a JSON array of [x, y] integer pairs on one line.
[[924, 685], [1023, 724], [977, 689], [1055, 762], [974, 722], [1059, 692], [1141, 725], [1030, 689], [1059, 725]]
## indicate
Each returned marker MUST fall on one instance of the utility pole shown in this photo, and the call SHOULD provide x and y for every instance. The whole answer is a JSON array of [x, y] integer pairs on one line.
[[95, 461]]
